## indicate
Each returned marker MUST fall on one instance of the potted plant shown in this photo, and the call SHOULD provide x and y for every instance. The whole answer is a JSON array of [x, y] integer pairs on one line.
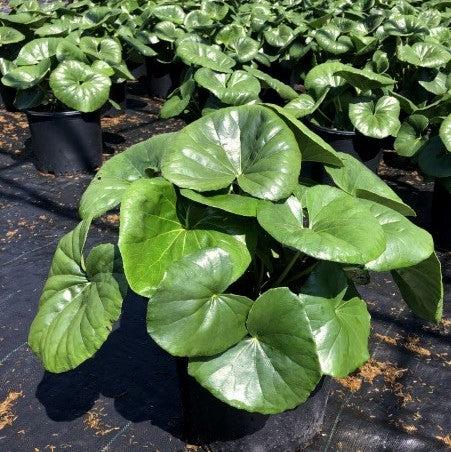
[[349, 108], [62, 84], [246, 268]]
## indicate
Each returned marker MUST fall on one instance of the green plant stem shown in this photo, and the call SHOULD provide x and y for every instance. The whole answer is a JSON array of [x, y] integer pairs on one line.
[[287, 268]]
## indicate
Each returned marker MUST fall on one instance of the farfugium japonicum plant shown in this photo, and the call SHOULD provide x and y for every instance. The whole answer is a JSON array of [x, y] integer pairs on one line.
[[249, 267]]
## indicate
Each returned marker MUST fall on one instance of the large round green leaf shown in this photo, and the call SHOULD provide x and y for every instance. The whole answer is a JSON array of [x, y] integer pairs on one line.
[[407, 244], [273, 370], [411, 135], [237, 88], [376, 120], [279, 36], [422, 288], [198, 54], [197, 20], [10, 35], [338, 227], [79, 87], [338, 318], [172, 13], [158, 229], [189, 314], [79, 304], [445, 132], [105, 49], [141, 160], [24, 77], [35, 51], [356, 179], [438, 85], [424, 54], [248, 144], [246, 48]]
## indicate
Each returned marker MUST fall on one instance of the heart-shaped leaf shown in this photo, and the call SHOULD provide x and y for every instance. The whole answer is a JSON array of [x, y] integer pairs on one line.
[[105, 49], [197, 20], [273, 370], [10, 35], [422, 288], [246, 48], [375, 119], [248, 144], [237, 88], [445, 132], [35, 51], [330, 39], [67, 50], [338, 227], [407, 244], [411, 135], [158, 229], [424, 54], [279, 36], [338, 319], [229, 34], [79, 87], [355, 178], [172, 13], [79, 304], [323, 77], [439, 85], [198, 54], [24, 77], [141, 160], [189, 314], [304, 105]]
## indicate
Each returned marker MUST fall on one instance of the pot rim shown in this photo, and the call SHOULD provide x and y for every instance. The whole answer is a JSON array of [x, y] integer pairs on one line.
[[346, 133], [58, 113]]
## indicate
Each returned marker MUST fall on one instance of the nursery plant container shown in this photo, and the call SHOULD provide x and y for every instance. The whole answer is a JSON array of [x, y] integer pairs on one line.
[[441, 220], [65, 142], [367, 150], [118, 93], [7, 96], [162, 78], [220, 427]]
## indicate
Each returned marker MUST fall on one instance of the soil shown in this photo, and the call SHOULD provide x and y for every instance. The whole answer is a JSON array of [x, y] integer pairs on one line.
[[127, 396]]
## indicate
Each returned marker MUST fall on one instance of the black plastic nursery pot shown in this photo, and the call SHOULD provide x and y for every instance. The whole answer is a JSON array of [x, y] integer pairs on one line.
[[441, 218], [162, 78], [219, 427], [7, 96], [366, 149], [118, 93], [65, 142]]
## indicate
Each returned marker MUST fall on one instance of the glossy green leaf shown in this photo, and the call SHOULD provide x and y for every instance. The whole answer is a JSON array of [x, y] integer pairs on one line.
[[189, 314], [246, 48], [332, 41], [66, 50], [179, 99], [10, 35], [24, 77], [284, 91], [141, 160], [338, 227], [375, 119], [158, 229], [248, 144], [105, 49], [195, 53], [407, 244], [338, 319], [230, 33], [245, 206], [29, 98], [79, 87], [237, 88], [304, 105], [279, 36], [422, 288], [313, 148], [172, 13], [364, 79], [323, 77], [423, 54], [445, 132], [439, 85], [273, 370], [79, 304], [411, 135], [35, 51], [197, 20], [357, 180]]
